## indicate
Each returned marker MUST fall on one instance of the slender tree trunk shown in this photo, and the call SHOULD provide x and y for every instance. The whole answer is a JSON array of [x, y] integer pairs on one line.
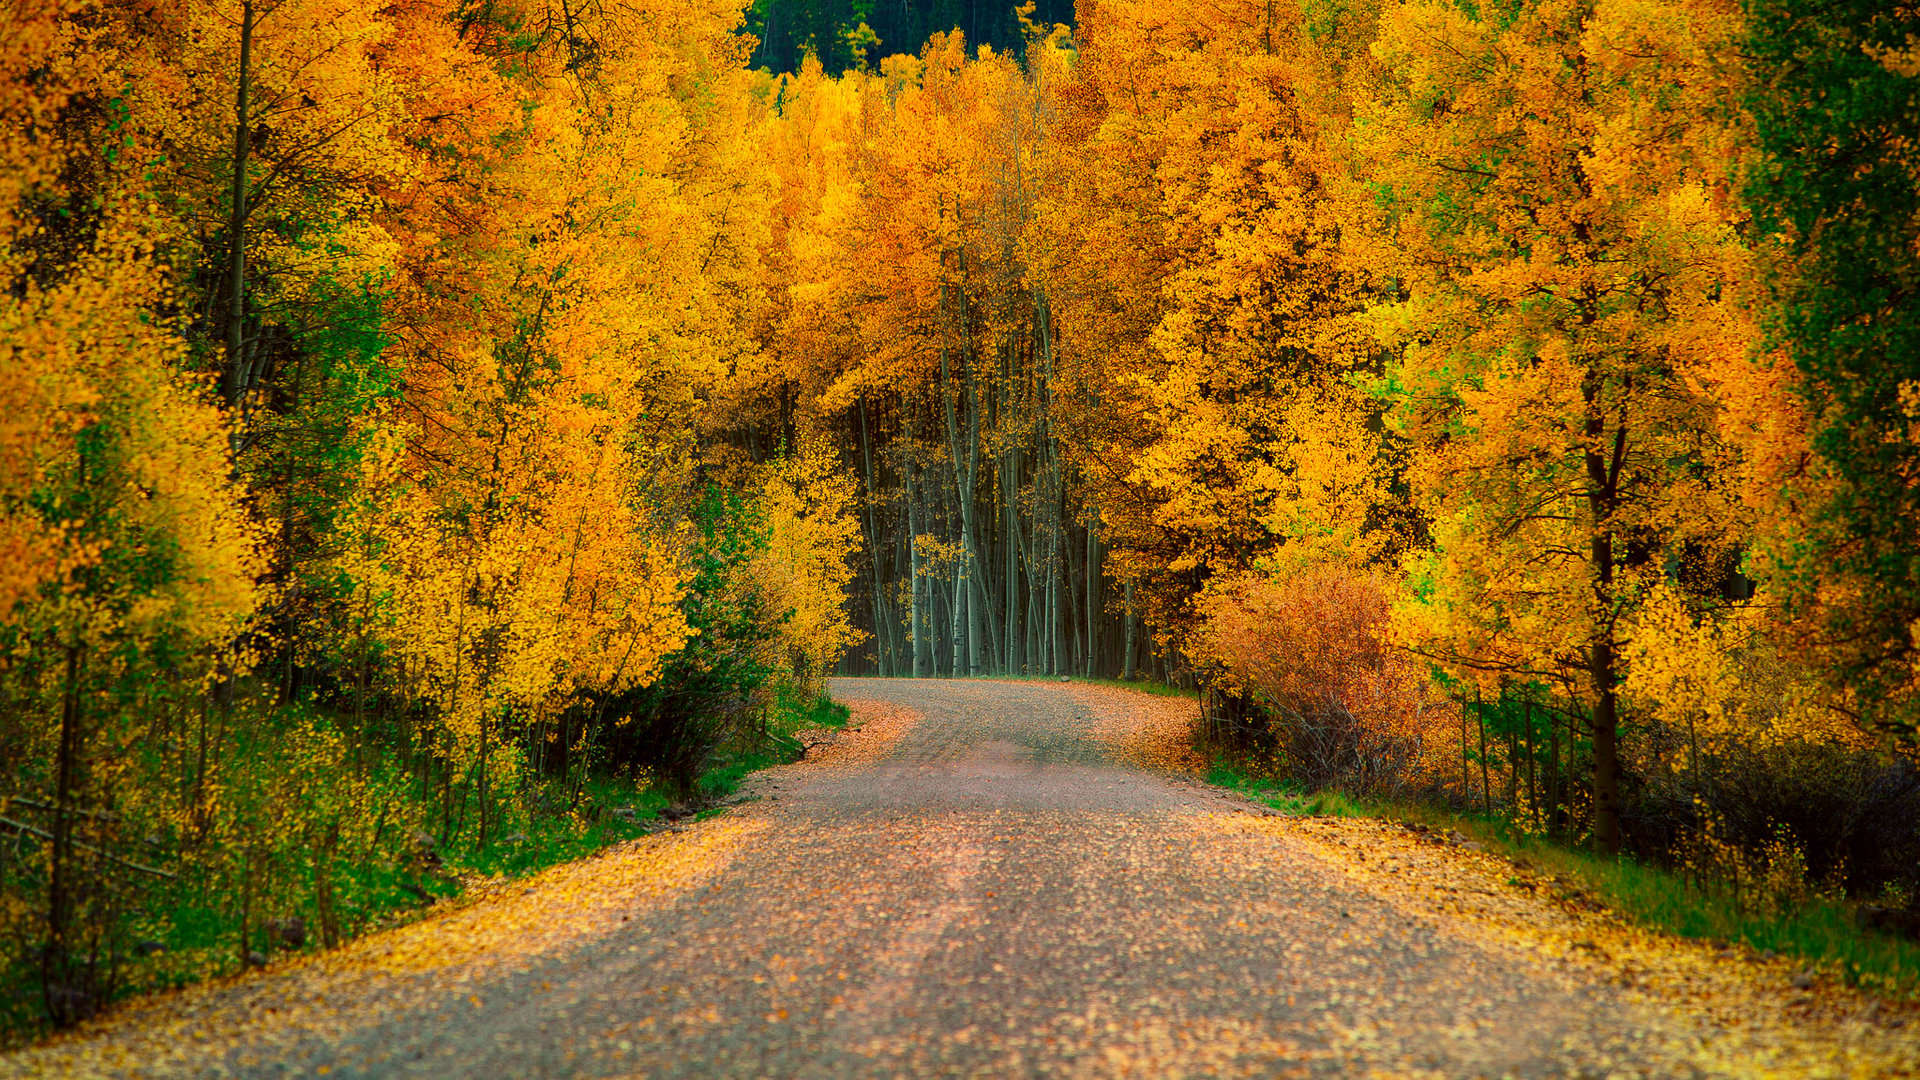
[[1055, 579], [1513, 768], [1603, 475], [1047, 490], [64, 1000], [1036, 579], [1093, 591], [962, 485], [1556, 776], [1126, 651], [917, 614], [1606, 749], [957, 616], [1010, 503], [904, 557], [486, 715], [1486, 783], [446, 796], [982, 632], [234, 377], [966, 488], [883, 623], [1466, 777], [1036, 599], [963, 446], [1533, 769], [1070, 591]]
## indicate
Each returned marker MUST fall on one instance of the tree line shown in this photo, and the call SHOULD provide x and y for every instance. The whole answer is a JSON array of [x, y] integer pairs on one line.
[[843, 34]]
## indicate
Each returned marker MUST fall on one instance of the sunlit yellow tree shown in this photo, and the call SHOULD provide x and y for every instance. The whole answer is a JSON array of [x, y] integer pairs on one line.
[[1558, 176]]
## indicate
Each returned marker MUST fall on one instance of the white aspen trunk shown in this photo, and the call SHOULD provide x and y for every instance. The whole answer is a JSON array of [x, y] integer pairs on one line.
[[916, 632], [957, 617], [1062, 588], [1093, 591], [1009, 488], [885, 630]]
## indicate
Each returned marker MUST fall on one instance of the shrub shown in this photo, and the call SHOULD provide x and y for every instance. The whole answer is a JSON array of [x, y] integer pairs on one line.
[[717, 686], [1306, 673], [1737, 741], [1853, 814]]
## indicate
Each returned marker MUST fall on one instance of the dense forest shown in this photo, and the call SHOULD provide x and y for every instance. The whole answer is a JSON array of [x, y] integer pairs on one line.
[[419, 415], [842, 34]]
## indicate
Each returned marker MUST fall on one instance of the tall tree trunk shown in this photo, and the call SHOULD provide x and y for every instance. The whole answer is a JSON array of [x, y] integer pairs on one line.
[[1603, 476], [1056, 577], [1556, 777], [234, 377], [1010, 502], [982, 633], [884, 628], [963, 447], [918, 614], [1036, 604], [1093, 591], [1606, 748], [1070, 589], [1533, 772], [1486, 782], [903, 556], [957, 617], [485, 720], [66, 1001]]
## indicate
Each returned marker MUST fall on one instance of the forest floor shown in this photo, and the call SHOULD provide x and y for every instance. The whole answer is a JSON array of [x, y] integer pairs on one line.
[[1010, 879]]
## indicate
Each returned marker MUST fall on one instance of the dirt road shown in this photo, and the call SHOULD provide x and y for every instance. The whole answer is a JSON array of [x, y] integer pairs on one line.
[[1007, 879]]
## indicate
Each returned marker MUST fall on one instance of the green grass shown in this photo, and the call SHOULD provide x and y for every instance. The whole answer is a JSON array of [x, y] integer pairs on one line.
[[1286, 797], [789, 715], [792, 713], [1822, 934], [550, 841], [199, 933]]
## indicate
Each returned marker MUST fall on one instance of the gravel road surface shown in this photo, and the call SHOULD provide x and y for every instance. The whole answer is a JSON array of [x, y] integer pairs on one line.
[[984, 879]]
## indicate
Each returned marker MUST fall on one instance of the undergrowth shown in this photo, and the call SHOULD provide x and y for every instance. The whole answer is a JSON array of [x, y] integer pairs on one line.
[[791, 714], [1285, 796], [191, 934], [1821, 933]]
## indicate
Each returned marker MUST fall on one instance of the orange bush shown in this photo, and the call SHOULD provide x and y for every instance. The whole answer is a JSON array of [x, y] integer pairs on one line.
[[1340, 705]]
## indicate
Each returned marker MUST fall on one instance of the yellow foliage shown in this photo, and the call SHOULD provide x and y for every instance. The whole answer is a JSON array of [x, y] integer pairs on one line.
[[1720, 681], [1196, 234], [113, 469], [1576, 272], [806, 566]]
